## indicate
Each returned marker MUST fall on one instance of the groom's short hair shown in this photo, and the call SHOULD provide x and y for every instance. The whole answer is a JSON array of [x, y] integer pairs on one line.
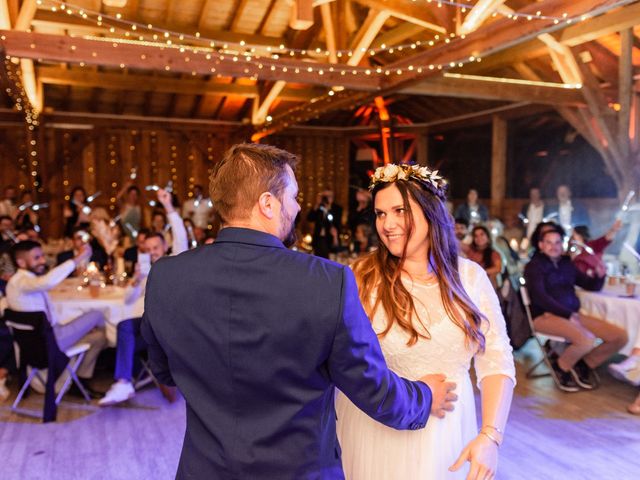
[[246, 172]]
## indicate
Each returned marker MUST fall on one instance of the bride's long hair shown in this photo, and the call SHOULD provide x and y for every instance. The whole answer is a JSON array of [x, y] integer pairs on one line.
[[379, 273]]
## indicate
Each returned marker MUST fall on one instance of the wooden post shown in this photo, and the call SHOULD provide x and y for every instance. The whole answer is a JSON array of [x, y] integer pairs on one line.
[[422, 149], [498, 165]]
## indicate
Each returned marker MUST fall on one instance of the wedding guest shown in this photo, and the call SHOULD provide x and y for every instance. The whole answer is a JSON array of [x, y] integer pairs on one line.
[[570, 212], [363, 213], [198, 208], [588, 253], [461, 231], [482, 252], [80, 237], [27, 291], [551, 277], [7, 230], [326, 217], [129, 340], [26, 218], [472, 210], [131, 253], [74, 212], [533, 211], [130, 209], [8, 205]]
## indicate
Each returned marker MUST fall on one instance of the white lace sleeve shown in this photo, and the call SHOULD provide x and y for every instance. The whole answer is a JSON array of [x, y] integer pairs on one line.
[[497, 359]]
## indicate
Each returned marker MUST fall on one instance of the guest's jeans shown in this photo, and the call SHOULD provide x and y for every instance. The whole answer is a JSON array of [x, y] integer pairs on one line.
[[87, 328], [129, 342], [581, 335]]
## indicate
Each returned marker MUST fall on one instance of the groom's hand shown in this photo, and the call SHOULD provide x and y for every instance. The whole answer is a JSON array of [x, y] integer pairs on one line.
[[442, 396]]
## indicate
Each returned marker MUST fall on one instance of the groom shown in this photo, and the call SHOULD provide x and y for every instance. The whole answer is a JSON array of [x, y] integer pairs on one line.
[[256, 336]]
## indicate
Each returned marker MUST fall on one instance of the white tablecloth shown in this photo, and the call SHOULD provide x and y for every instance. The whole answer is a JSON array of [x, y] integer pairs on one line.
[[612, 304], [69, 302]]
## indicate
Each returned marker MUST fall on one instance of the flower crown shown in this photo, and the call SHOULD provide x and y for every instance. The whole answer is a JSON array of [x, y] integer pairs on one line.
[[427, 178]]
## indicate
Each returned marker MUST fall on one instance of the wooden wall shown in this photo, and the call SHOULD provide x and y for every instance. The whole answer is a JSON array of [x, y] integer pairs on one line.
[[101, 158]]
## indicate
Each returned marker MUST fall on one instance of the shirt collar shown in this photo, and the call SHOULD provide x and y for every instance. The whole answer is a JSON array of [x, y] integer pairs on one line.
[[248, 236]]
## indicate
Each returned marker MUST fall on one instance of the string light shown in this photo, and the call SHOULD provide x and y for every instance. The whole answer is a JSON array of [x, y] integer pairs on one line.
[[117, 22]]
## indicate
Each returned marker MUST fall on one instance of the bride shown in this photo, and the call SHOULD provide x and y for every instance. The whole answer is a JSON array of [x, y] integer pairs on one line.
[[431, 310]]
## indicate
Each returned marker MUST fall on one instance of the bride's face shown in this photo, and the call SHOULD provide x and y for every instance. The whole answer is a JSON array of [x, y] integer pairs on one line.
[[393, 225]]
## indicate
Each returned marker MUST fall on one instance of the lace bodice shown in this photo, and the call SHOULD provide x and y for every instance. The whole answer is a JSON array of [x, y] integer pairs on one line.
[[445, 352]]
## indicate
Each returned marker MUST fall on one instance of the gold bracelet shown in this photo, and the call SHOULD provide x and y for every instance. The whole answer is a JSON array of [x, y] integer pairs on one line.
[[490, 437]]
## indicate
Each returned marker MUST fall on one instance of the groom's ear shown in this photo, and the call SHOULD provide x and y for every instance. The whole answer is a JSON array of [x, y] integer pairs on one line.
[[266, 205]]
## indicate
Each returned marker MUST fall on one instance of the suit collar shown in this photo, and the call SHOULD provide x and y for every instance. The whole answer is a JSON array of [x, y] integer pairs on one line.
[[249, 236]]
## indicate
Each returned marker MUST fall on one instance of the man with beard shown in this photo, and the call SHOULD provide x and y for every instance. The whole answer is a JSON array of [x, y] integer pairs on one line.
[[461, 230], [257, 337], [129, 340], [27, 291]]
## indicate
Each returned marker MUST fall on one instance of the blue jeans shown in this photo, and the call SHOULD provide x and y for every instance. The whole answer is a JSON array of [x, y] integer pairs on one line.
[[128, 344]]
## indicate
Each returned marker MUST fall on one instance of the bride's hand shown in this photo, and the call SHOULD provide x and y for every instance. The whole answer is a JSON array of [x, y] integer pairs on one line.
[[482, 453]]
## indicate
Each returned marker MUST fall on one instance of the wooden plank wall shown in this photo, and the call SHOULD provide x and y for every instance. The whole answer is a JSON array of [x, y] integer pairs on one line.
[[101, 159]]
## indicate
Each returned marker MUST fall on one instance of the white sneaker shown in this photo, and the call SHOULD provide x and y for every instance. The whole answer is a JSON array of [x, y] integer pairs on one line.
[[4, 391], [119, 392], [627, 371]]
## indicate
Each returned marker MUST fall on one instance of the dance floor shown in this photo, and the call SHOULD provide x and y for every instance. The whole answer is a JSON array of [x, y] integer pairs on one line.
[[550, 435]]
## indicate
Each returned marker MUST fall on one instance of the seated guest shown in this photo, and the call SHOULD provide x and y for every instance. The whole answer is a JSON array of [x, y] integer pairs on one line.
[[461, 230], [7, 228], [198, 208], [27, 291], [542, 227], [472, 210], [26, 218], [76, 211], [79, 238], [131, 253], [364, 239], [129, 339], [482, 252], [588, 257], [551, 277]]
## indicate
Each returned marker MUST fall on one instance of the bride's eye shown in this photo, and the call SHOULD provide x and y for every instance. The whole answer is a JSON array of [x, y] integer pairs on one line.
[[379, 214]]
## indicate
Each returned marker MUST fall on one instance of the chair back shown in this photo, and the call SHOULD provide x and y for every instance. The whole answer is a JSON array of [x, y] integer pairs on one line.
[[32, 332], [526, 302]]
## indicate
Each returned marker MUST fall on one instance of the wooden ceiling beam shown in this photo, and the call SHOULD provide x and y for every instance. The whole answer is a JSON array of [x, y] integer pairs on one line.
[[478, 14], [494, 90], [146, 83], [79, 26], [409, 12], [236, 13], [329, 32], [365, 36], [261, 108], [5, 17], [398, 34], [625, 90], [59, 48]]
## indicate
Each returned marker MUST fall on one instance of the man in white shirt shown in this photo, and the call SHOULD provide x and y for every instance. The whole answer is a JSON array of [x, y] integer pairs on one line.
[[129, 338], [198, 209], [27, 291]]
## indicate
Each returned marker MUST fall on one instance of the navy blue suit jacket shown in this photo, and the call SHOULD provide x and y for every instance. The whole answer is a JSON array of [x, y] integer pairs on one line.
[[256, 336]]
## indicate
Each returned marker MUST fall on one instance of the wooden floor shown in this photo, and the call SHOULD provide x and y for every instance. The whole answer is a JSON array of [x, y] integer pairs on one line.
[[551, 435]]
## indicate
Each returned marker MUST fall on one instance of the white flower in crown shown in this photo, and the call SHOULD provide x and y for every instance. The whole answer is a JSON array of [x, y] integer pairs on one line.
[[391, 173], [390, 170]]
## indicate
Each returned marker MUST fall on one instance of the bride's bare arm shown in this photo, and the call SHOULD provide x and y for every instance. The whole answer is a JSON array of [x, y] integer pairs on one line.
[[482, 451]]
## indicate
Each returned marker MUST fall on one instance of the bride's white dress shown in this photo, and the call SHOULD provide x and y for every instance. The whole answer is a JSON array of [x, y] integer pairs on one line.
[[372, 451]]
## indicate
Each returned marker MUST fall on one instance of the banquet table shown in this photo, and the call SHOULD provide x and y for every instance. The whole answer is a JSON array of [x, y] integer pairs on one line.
[[70, 300], [613, 305]]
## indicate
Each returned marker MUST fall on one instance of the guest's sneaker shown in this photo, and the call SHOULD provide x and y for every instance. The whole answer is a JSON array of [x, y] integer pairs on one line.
[[4, 391], [627, 371], [584, 375], [566, 382], [119, 392]]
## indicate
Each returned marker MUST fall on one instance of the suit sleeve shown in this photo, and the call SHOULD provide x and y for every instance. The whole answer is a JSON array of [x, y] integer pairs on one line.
[[359, 370], [157, 356]]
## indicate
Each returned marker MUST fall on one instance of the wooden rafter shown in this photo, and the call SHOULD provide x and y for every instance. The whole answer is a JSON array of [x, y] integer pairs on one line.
[[185, 86], [478, 14], [494, 90], [329, 32], [398, 34], [135, 56], [409, 12], [238, 11], [625, 95], [262, 109], [367, 33]]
